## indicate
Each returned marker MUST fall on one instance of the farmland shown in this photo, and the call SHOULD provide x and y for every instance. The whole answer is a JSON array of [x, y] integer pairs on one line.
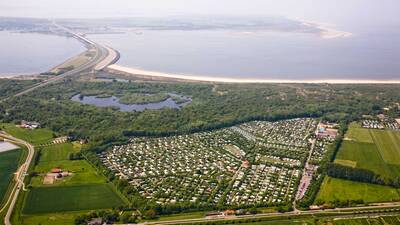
[[8, 165], [65, 218], [36, 137], [388, 143], [375, 150], [57, 156], [82, 172], [392, 220], [58, 152], [333, 189], [71, 198], [83, 189]]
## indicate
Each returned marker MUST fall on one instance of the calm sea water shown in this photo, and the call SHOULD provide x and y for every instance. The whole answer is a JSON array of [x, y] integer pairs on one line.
[[368, 54], [371, 53], [26, 53]]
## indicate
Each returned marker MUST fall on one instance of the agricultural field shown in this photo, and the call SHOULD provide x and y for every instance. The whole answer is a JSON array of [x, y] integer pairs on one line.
[[36, 137], [58, 152], [339, 189], [75, 185], [71, 198], [372, 149], [81, 172], [388, 143], [65, 218], [57, 156], [8, 165], [256, 163]]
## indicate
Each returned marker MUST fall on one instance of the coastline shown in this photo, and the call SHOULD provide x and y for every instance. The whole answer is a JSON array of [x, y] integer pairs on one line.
[[195, 78]]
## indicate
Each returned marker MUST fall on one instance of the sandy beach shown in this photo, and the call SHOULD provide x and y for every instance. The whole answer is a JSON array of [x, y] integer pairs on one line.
[[328, 31], [139, 72]]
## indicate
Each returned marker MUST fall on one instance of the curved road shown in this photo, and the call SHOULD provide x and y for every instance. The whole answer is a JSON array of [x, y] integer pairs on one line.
[[19, 175], [103, 58]]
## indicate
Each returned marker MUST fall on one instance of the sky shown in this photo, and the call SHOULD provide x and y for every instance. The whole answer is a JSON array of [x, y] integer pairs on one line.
[[329, 11]]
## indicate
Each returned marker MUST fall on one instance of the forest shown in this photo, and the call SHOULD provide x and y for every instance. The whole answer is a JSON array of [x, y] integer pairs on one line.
[[214, 105]]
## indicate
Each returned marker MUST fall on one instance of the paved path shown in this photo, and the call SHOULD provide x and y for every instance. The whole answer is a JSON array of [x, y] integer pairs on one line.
[[104, 57]]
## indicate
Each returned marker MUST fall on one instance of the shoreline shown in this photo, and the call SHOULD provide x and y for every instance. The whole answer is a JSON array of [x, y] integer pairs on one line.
[[161, 75]]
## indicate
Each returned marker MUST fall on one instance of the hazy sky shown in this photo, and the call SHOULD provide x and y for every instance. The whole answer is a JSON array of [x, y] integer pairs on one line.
[[335, 11]]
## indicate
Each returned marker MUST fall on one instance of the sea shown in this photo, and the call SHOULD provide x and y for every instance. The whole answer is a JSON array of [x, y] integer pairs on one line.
[[31, 53], [366, 54], [370, 53]]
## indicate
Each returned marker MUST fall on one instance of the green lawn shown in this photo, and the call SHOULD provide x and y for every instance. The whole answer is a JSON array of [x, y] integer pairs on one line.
[[71, 198], [56, 156], [366, 156], [381, 156], [385, 220], [388, 143], [66, 218], [181, 216], [82, 173], [57, 152], [8, 165], [338, 189], [37, 136], [358, 134]]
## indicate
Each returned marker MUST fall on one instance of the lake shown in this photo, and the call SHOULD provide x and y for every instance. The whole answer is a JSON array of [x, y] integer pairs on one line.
[[370, 53], [28, 53], [114, 102]]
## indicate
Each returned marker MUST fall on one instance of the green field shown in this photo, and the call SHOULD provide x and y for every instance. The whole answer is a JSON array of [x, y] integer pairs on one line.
[[8, 165], [82, 173], [338, 189], [85, 189], [388, 143], [375, 150], [71, 198], [65, 218], [358, 134], [57, 152], [36, 137], [385, 220], [56, 156]]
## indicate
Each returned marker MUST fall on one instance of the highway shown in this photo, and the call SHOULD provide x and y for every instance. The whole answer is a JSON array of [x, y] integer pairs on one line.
[[19, 175], [104, 57]]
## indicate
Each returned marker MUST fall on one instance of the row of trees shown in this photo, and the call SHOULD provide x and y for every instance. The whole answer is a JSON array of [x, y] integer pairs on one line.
[[318, 177], [360, 175]]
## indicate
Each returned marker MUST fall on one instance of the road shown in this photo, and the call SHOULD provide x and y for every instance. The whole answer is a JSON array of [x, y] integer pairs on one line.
[[306, 177], [335, 213], [19, 175], [104, 57]]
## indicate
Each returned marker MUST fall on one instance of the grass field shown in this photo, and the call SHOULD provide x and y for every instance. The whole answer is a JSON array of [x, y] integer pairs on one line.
[[338, 189], [36, 137], [82, 173], [57, 152], [56, 156], [85, 189], [51, 219], [388, 143], [375, 150], [8, 165], [71, 198], [358, 134], [385, 220]]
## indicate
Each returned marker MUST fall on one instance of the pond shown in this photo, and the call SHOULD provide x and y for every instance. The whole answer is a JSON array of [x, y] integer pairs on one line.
[[113, 101]]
